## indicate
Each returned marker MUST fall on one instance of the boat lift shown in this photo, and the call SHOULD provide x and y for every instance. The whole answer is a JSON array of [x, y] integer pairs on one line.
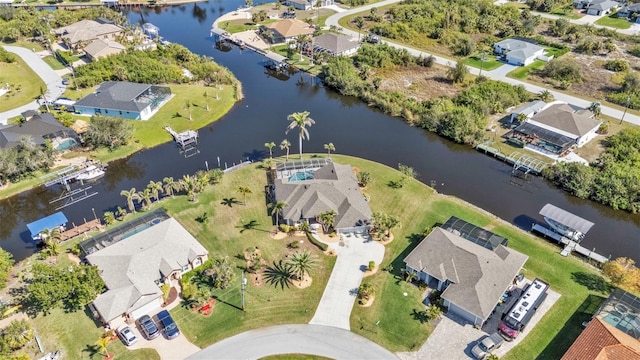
[[71, 193], [187, 141]]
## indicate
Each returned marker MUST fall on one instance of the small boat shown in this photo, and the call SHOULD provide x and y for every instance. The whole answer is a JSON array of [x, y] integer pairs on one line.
[[91, 172]]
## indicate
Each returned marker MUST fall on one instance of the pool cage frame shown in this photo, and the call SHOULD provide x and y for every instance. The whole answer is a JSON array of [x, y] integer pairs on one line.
[[112, 236], [288, 168], [627, 305]]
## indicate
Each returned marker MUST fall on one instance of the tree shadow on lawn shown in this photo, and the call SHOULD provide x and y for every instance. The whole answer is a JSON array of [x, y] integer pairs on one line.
[[229, 202], [251, 225], [420, 316], [92, 350], [592, 282], [572, 328]]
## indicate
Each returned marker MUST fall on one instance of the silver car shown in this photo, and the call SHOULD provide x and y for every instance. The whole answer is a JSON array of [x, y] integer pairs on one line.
[[127, 336], [486, 345]]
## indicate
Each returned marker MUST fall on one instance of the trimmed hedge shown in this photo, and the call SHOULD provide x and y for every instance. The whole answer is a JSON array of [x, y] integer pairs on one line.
[[322, 246]]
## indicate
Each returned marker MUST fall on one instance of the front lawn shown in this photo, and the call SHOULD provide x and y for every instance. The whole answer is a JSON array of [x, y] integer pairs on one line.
[[400, 329], [490, 62], [614, 22], [236, 26], [53, 62], [523, 71], [25, 84]]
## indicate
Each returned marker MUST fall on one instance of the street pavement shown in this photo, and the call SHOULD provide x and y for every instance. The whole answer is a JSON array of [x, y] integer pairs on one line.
[[327, 341], [339, 295], [496, 74], [52, 80]]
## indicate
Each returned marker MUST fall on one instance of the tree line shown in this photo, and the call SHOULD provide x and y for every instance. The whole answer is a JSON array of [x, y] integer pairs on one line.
[[23, 160], [613, 179]]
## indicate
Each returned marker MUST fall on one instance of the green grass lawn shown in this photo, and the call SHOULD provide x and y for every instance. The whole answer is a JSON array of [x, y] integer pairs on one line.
[[523, 71], [548, 51], [53, 62], [490, 62], [236, 26], [567, 14], [25, 44], [25, 84], [581, 287], [294, 357], [614, 22]]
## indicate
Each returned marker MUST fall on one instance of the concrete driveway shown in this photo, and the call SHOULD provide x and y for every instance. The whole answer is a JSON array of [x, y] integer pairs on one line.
[[319, 340], [52, 80], [354, 253], [174, 349]]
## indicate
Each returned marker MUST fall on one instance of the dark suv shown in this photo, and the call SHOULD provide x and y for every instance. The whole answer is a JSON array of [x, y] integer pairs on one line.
[[169, 326], [148, 327]]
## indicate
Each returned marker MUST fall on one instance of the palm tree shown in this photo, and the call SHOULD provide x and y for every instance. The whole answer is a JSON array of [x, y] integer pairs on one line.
[[595, 108], [270, 145], [301, 40], [243, 190], [277, 208], [285, 144], [145, 197], [189, 185], [327, 218], [187, 106], [206, 101], [102, 345], [365, 291], [545, 95], [120, 213], [43, 96], [130, 195], [301, 263], [300, 120], [170, 186], [53, 235], [329, 147], [279, 274], [156, 188], [359, 21]]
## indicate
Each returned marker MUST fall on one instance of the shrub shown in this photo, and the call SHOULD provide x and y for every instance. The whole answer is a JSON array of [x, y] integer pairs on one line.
[[322, 246], [294, 244], [635, 51], [372, 265], [617, 65], [284, 228], [563, 70], [6, 57]]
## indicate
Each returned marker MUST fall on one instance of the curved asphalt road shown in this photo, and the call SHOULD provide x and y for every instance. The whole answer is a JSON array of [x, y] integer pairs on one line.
[[319, 340], [496, 74], [44, 71]]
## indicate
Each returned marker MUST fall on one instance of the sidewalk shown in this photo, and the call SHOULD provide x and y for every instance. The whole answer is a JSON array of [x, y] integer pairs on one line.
[[52, 80]]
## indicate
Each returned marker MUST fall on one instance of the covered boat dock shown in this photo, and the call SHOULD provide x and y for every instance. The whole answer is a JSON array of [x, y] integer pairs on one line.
[[47, 223]]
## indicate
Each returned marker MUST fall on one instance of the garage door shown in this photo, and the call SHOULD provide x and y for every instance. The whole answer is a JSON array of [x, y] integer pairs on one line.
[[149, 308]]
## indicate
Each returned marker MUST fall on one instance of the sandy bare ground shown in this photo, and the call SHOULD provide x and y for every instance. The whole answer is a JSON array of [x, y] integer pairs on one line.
[[419, 82]]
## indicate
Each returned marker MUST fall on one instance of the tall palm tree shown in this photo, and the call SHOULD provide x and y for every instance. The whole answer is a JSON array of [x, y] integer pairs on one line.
[[53, 235], [156, 188], [359, 22], [206, 99], [270, 145], [327, 218], [102, 345], [300, 120], [285, 145], [188, 184], [276, 208], [187, 106], [329, 147], [170, 186], [130, 195], [244, 190], [145, 197], [301, 263]]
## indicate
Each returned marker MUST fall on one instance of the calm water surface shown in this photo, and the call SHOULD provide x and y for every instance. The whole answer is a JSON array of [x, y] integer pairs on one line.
[[354, 128]]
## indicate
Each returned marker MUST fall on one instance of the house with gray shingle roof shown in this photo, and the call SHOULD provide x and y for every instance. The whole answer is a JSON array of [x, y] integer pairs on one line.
[[472, 277], [335, 44], [38, 127], [134, 268], [124, 99], [602, 7], [329, 187], [518, 52], [631, 12]]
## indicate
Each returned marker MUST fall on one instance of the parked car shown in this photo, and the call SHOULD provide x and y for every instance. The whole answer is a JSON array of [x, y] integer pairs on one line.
[[148, 327], [169, 326], [65, 81], [486, 345], [127, 336]]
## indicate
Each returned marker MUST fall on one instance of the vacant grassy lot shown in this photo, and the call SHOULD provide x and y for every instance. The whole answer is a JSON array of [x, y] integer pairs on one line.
[[614, 22], [398, 329], [25, 84]]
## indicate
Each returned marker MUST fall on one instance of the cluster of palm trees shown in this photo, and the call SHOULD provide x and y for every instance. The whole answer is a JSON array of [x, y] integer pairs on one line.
[[51, 238], [191, 185], [297, 266]]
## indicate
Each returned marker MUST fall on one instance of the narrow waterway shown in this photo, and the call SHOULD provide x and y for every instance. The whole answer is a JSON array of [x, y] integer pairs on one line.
[[352, 127]]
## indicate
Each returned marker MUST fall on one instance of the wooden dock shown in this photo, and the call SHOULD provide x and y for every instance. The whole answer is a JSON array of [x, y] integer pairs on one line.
[[570, 246], [520, 161], [81, 229]]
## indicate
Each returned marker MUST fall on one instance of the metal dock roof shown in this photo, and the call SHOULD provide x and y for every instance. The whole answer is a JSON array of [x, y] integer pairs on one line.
[[566, 218]]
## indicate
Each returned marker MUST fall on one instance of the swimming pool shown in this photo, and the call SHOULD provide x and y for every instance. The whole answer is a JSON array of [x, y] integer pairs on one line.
[[626, 323], [66, 144], [300, 176]]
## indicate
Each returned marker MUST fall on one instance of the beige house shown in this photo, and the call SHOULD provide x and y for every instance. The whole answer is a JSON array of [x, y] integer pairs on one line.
[[85, 31], [102, 48], [134, 268], [288, 29]]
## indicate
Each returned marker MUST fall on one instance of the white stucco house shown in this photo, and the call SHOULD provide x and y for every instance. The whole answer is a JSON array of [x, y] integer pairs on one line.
[[134, 268], [519, 52]]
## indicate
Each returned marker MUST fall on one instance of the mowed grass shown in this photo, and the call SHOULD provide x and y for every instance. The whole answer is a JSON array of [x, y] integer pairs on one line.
[[489, 63], [75, 335], [581, 287], [25, 84], [53, 62], [523, 71], [231, 228], [614, 21]]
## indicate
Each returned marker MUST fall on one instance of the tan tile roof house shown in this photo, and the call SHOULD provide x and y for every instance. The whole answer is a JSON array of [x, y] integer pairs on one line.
[[133, 268], [288, 29], [601, 341], [333, 187], [88, 30], [473, 277], [102, 48]]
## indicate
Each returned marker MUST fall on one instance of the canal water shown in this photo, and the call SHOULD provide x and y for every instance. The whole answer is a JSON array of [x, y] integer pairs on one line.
[[355, 129]]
